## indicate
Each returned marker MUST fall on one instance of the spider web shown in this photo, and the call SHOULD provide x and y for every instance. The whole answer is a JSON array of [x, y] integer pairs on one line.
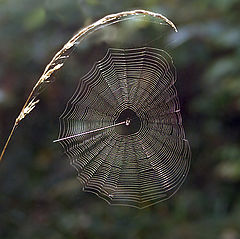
[[137, 169]]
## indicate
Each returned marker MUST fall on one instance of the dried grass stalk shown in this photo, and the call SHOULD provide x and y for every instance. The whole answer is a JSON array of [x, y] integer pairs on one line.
[[58, 60]]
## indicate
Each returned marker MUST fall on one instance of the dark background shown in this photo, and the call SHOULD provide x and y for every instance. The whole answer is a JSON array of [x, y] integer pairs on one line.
[[40, 196]]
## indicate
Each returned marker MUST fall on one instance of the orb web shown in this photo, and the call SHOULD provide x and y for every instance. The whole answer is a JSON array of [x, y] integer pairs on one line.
[[136, 164]]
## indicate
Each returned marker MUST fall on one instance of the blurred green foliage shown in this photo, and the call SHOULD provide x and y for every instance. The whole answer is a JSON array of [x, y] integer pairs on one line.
[[39, 195]]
